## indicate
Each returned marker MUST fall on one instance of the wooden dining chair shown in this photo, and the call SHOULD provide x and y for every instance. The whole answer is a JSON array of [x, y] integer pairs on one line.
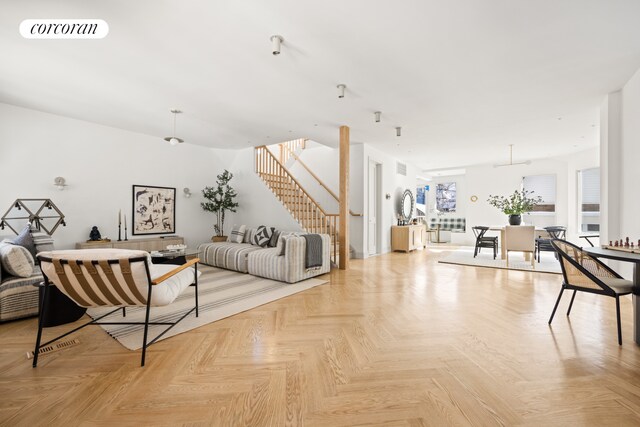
[[116, 278], [520, 238], [582, 272]]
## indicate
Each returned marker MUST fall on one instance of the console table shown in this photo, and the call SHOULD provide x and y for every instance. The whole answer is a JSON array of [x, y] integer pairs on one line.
[[146, 244], [408, 237]]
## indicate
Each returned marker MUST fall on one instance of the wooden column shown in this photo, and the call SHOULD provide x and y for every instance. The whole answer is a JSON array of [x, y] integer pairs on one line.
[[343, 236]]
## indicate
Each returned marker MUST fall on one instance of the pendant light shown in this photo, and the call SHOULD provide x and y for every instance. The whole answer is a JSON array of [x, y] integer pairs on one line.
[[174, 140], [528, 162]]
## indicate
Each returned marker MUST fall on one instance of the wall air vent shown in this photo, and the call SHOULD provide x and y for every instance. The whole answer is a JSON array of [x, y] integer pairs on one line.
[[401, 169]]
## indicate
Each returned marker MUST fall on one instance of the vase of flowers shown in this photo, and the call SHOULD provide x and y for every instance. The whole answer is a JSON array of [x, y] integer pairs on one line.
[[220, 199], [516, 204]]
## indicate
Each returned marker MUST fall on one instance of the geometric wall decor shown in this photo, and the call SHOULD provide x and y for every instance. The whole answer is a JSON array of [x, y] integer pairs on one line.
[[41, 213]]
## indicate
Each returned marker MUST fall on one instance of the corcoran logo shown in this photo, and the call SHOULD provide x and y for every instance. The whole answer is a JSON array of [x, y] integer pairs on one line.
[[64, 28]]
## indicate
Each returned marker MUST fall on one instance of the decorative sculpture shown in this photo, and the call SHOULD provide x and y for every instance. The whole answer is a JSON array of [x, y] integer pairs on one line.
[[94, 234]]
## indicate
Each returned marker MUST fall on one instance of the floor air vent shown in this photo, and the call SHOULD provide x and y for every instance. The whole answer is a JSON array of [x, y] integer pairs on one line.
[[55, 347]]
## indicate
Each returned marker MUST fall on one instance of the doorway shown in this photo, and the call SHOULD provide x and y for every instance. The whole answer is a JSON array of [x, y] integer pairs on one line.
[[374, 208]]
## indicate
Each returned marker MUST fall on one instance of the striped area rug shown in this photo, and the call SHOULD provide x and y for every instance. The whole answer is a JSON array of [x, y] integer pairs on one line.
[[221, 293]]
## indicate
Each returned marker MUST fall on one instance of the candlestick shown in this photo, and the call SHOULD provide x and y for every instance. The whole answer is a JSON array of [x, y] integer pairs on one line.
[[125, 227], [119, 235], [120, 217]]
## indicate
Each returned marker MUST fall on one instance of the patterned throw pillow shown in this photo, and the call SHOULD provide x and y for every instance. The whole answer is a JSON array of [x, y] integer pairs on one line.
[[237, 234], [273, 242], [262, 236], [16, 260], [25, 240]]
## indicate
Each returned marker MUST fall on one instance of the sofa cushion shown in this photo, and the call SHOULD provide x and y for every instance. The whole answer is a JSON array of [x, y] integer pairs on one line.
[[42, 240], [248, 235], [25, 240], [19, 296], [262, 236], [232, 256], [16, 260], [237, 234]]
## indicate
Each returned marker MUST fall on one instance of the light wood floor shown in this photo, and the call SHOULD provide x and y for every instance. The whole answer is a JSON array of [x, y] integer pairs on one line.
[[397, 340]]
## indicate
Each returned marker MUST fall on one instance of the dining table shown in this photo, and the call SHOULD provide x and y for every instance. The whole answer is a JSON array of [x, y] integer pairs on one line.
[[634, 258], [503, 250]]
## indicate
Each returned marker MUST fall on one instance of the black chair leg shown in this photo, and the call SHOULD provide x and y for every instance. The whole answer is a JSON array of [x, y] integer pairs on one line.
[[196, 283], [618, 319], [146, 327], [555, 307], [124, 312], [43, 306], [475, 251], [571, 303]]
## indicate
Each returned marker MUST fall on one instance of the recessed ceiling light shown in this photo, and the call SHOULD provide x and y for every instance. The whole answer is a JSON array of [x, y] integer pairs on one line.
[[377, 116], [559, 118], [341, 88], [290, 131], [316, 124], [398, 131]]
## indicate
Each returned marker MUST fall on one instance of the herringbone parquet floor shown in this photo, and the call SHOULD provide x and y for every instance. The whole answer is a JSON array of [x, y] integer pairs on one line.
[[398, 340]]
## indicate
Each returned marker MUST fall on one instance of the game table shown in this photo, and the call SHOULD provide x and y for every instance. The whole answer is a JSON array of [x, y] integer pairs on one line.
[[634, 258]]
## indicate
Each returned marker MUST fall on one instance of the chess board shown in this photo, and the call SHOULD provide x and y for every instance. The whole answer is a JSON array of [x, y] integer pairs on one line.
[[635, 250]]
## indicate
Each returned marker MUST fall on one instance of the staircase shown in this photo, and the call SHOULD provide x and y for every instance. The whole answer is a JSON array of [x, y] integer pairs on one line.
[[304, 209]]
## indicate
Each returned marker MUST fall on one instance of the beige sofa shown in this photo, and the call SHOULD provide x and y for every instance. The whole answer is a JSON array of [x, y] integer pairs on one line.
[[268, 262]]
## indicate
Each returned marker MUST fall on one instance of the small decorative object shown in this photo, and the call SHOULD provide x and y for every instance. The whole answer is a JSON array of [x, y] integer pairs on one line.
[[154, 210], [176, 247], [220, 199], [119, 225], [95, 234], [521, 201]]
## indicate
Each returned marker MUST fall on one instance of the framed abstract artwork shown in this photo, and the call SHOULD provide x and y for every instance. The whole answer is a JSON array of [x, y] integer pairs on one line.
[[154, 210], [446, 197]]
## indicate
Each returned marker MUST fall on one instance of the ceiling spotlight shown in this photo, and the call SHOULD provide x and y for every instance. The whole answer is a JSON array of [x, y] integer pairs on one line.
[[377, 114], [174, 140], [398, 131], [275, 44], [341, 89]]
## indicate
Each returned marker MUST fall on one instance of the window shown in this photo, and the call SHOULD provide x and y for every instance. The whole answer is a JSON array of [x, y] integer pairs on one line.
[[589, 200], [543, 186]]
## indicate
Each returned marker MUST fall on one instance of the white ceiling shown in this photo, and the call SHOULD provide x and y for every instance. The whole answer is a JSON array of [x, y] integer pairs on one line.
[[464, 78]]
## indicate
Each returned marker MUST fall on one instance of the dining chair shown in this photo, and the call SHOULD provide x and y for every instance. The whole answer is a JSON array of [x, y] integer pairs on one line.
[[582, 272], [543, 244], [116, 278], [483, 241], [520, 238]]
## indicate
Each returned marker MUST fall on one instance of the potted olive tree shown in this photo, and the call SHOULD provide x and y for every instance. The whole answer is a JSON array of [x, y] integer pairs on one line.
[[521, 201], [220, 199]]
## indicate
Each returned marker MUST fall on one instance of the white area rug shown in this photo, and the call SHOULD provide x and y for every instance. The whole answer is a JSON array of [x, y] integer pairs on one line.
[[221, 293], [516, 261]]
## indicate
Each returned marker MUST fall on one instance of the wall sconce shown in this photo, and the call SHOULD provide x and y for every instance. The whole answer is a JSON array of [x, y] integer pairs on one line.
[[59, 182], [377, 116], [275, 44], [341, 89], [398, 131], [187, 192]]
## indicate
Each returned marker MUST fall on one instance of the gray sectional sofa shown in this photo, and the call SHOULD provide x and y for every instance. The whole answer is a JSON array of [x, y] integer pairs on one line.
[[274, 263]]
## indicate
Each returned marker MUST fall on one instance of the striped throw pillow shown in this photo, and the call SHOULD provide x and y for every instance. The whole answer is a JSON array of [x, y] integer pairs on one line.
[[237, 234]]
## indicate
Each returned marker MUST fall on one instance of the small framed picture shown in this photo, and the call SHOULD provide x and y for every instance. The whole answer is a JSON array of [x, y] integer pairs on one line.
[[154, 210]]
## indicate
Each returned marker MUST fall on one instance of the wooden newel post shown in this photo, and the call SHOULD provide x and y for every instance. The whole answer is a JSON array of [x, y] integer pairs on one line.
[[343, 236]]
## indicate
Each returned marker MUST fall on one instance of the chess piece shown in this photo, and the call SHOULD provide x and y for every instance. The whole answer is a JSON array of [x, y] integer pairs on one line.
[[94, 234], [610, 243], [626, 243], [616, 245]]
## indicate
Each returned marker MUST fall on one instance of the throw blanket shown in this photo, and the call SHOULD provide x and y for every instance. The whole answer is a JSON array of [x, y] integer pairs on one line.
[[313, 255]]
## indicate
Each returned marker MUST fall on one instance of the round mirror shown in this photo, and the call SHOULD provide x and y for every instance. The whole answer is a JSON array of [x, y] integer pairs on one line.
[[407, 205]]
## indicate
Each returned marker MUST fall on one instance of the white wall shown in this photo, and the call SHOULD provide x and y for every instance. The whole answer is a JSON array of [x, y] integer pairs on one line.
[[629, 201], [100, 165], [485, 180]]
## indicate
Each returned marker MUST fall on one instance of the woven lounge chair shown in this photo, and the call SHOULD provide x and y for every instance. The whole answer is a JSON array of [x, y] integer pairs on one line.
[[114, 278]]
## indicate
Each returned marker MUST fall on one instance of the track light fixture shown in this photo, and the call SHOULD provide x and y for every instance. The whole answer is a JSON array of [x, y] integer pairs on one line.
[[174, 140], [276, 41], [398, 131], [377, 115], [341, 89]]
